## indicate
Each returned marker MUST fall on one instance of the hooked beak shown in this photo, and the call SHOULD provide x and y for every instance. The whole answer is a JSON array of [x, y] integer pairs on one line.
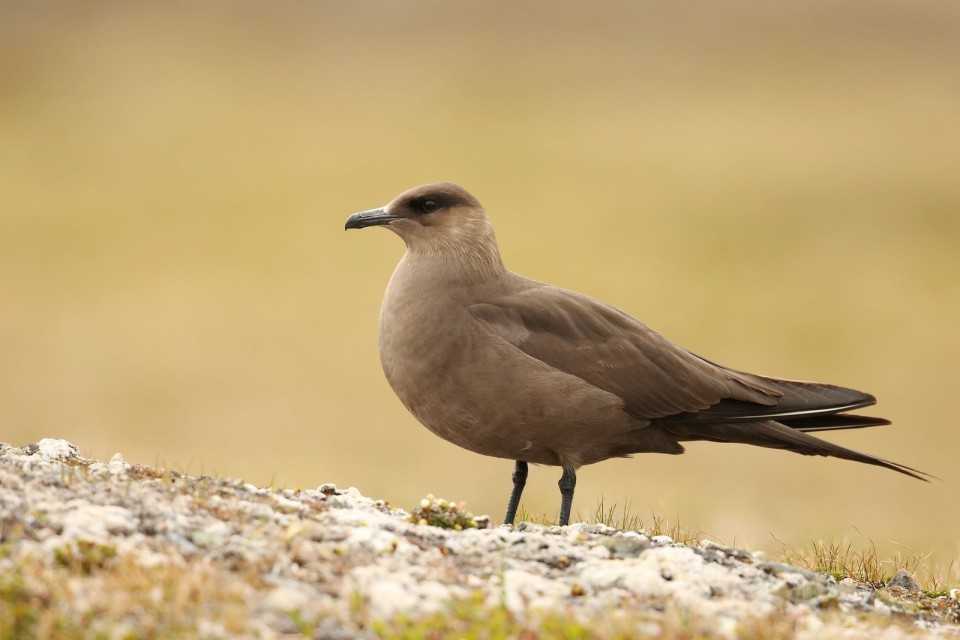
[[369, 218]]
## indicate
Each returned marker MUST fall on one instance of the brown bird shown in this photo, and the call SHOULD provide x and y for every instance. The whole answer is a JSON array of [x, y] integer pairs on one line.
[[513, 368]]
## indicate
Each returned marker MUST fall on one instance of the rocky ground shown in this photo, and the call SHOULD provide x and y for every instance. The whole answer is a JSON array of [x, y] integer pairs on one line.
[[111, 550]]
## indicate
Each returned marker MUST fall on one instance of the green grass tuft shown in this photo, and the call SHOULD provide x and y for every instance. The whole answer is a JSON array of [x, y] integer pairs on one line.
[[867, 566], [85, 556]]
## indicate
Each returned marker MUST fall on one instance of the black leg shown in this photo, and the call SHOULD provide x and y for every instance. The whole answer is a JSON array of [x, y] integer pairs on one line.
[[519, 480], [568, 481]]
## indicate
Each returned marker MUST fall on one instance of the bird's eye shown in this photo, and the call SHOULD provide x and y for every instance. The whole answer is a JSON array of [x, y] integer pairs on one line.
[[427, 206]]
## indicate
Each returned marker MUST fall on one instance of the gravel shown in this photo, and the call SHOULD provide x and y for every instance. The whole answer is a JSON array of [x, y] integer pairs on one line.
[[329, 562]]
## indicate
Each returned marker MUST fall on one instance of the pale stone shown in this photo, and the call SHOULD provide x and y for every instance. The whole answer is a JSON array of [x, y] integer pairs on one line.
[[56, 449]]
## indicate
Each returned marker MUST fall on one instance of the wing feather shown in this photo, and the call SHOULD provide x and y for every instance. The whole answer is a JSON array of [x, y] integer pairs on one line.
[[615, 352]]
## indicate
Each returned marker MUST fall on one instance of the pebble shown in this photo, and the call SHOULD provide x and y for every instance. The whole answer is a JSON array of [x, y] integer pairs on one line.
[[286, 599], [904, 580], [56, 449]]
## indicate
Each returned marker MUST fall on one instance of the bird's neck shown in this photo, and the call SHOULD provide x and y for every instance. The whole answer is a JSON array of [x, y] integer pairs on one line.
[[447, 270], [453, 261]]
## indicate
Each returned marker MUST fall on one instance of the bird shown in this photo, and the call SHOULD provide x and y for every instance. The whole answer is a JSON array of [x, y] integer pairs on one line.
[[513, 368]]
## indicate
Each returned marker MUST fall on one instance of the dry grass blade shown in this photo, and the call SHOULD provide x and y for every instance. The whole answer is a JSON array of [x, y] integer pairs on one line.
[[866, 564]]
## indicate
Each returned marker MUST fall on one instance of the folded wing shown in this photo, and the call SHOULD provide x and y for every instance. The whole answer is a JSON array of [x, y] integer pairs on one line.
[[656, 379]]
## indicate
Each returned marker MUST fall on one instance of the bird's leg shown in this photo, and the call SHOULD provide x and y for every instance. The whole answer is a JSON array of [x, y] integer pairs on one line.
[[568, 481], [519, 480]]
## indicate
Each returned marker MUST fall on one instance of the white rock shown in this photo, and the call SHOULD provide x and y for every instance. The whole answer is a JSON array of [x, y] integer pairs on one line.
[[286, 599], [84, 521], [388, 597], [401, 588], [435, 596], [56, 449], [117, 465], [288, 505], [149, 559], [374, 539], [213, 535], [10, 480], [793, 579], [726, 627], [574, 530], [255, 509], [524, 591], [812, 624], [209, 629]]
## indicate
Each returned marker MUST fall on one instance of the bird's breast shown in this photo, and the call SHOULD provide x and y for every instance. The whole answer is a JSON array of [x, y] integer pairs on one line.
[[435, 361], [473, 388], [421, 350]]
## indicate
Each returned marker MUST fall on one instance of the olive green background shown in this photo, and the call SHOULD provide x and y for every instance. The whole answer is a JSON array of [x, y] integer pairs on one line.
[[775, 186]]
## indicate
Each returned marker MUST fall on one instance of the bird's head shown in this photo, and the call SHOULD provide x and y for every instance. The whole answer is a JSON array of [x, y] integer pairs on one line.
[[431, 218]]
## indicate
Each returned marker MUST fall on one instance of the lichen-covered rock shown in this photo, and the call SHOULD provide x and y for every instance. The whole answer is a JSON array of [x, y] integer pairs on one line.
[[112, 548], [904, 580]]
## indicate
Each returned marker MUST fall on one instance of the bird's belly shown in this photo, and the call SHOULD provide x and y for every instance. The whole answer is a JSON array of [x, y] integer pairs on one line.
[[471, 396]]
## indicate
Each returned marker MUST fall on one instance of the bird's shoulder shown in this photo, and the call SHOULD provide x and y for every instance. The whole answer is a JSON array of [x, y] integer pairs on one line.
[[544, 308]]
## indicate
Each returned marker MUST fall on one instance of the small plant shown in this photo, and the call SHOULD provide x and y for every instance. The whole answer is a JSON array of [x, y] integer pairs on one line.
[[85, 556], [438, 512], [18, 610], [304, 627]]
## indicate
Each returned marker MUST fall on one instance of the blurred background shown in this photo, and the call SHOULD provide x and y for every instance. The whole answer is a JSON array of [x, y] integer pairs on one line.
[[773, 185]]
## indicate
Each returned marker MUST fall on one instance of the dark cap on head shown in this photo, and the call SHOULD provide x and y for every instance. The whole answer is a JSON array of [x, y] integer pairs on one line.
[[414, 203]]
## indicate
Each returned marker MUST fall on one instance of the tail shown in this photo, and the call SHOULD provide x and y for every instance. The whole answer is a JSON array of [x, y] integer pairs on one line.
[[776, 435], [794, 410], [833, 422]]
